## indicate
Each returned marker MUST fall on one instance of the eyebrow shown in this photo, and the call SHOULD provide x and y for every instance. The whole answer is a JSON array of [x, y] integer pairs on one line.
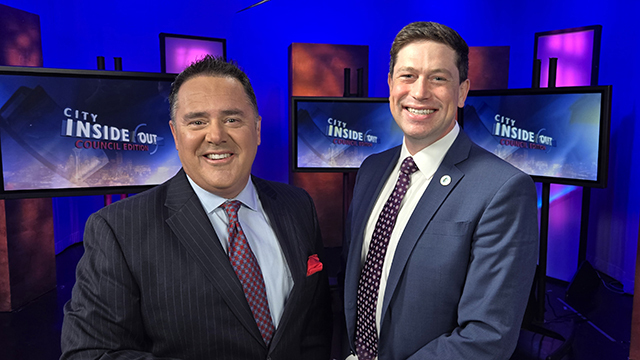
[[445, 71], [204, 114], [406, 68], [434, 71], [231, 112], [195, 115]]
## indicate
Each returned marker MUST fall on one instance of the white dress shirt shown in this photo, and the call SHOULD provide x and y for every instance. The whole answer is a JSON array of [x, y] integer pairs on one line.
[[428, 160], [261, 238]]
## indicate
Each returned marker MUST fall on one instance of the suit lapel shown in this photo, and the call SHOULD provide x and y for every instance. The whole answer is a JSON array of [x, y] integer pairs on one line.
[[287, 234], [429, 203], [192, 227]]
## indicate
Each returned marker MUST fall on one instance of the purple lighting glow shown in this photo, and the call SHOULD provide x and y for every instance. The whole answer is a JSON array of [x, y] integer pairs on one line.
[[574, 51], [577, 51], [180, 51]]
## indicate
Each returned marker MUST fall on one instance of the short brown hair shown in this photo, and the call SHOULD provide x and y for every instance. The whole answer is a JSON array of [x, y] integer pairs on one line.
[[431, 31]]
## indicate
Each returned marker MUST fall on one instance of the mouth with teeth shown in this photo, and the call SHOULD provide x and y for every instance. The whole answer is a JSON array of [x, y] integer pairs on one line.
[[420, 111], [218, 156]]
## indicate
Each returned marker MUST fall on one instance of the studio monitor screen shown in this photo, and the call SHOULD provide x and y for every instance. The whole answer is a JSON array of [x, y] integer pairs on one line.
[[556, 135], [337, 134], [80, 132]]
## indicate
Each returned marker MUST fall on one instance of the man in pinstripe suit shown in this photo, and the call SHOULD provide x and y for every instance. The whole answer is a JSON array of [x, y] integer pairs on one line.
[[156, 282]]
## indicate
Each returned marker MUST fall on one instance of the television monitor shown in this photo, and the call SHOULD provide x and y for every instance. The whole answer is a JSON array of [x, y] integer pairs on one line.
[[556, 135], [82, 132], [179, 51], [334, 134], [577, 51]]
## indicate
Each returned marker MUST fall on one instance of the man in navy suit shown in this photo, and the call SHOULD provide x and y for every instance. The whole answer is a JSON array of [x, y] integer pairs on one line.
[[442, 235], [212, 264]]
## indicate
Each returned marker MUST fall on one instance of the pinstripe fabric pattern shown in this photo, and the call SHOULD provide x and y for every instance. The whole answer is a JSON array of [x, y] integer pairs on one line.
[[155, 283]]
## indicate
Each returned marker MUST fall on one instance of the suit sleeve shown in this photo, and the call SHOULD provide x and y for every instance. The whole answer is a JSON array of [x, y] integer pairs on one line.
[[103, 319], [316, 340], [499, 277]]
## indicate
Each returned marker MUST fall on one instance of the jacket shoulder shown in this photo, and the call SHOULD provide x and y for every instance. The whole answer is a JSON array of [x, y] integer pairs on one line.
[[149, 202], [384, 158], [277, 189]]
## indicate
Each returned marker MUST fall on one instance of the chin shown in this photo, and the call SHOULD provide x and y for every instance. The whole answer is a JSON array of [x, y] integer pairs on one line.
[[418, 133]]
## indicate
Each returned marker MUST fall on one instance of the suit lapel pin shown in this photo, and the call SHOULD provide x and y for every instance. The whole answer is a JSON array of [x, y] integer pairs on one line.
[[445, 180]]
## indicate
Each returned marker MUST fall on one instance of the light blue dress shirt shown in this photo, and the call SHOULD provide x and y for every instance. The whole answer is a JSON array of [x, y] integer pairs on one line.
[[261, 237]]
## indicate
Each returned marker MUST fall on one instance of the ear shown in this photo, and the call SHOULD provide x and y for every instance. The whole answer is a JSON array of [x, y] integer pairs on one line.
[[258, 126], [389, 82], [173, 132], [463, 91]]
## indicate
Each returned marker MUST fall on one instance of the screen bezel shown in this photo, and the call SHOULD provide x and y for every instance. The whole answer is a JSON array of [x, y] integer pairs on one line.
[[294, 129], [163, 46], [604, 131], [86, 74]]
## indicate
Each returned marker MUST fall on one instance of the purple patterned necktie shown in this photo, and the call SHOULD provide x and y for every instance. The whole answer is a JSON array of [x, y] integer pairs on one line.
[[248, 271], [369, 285]]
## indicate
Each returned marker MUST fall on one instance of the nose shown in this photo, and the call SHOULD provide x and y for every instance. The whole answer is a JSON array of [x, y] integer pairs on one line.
[[216, 133], [420, 89]]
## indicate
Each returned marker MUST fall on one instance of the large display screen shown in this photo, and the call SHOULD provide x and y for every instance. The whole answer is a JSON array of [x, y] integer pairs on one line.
[[78, 132], [556, 135], [337, 134]]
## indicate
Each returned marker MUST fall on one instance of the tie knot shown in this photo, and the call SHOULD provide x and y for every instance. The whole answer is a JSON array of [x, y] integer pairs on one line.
[[231, 207], [408, 166]]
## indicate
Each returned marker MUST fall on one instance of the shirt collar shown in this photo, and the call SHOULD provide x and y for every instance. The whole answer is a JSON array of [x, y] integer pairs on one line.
[[428, 159], [210, 201]]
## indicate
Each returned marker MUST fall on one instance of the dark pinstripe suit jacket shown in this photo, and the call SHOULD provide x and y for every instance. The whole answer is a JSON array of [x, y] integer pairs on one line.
[[155, 282]]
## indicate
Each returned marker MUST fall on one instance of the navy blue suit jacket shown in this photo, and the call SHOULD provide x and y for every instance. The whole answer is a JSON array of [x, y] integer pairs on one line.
[[464, 265], [155, 282]]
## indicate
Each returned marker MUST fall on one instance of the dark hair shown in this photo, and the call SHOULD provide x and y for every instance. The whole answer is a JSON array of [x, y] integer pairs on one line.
[[215, 66], [431, 31]]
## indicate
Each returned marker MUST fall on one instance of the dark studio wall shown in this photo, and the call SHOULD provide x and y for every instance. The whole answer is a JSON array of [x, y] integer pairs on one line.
[[74, 32]]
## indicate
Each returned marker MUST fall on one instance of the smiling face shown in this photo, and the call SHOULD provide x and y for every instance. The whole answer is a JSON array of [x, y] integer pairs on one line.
[[217, 133], [425, 92]]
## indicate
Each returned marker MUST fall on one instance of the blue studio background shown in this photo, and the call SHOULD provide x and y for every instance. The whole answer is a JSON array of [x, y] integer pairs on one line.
[[74, 32]]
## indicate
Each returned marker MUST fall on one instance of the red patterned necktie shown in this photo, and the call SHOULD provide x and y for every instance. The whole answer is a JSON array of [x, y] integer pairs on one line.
[[248, 271], [369, 285]]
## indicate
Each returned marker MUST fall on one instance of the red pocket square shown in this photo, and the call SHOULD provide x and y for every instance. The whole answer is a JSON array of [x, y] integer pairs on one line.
[[313, 265]]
